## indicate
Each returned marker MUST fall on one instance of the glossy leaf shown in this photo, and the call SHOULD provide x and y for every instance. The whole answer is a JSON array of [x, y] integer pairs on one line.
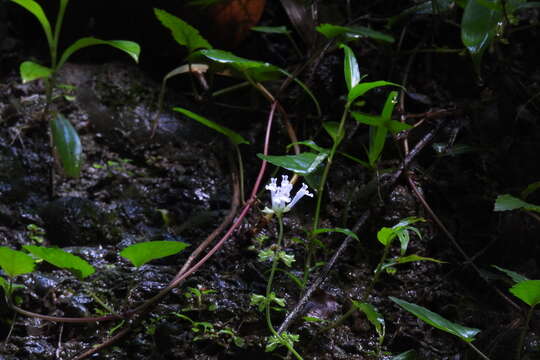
[[478, 27], [373, 316], [464, 333], [184, 34], [339, 230], [30, 71], [517, 278], [15, 262], [141, 253], [508, 202], [232, 135], [407, 355], [62, 259], [302, 164], [364, 87], [67, 144], [271, 29], [528, 291], [36, 9], [350, 66], [352, 32], [129, 47]]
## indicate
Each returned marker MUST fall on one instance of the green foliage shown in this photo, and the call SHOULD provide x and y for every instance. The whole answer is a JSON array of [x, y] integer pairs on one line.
[[401, 231], [14, 262], [508, 202], [67, 144], [464, 333], [129, 47], [407, 355], [362, 88], [339, 230], [62, 259], [141, 253], [261, 301], [517, 278], [183, 33], [352, 72], [345, 33], [271, 29], [284, 339], [407, 259], [236, 138], [373, 316], [302, 164], [31, 71], [528, 291]]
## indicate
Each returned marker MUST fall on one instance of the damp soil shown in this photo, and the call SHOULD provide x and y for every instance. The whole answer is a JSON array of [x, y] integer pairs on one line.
[[176, 185]]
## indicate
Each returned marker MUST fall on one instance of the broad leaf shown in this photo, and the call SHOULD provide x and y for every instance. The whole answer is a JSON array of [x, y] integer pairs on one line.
[[15, 262], [517, 278], [352, 32], [62, 259], [350, 66], [508, 202], [232, 135], [30, 71], [37, 11], [271, 29], [364, 87], [339, 230], [374, 317], [478, 27], [141, 253], [303, 163], [183, 33], [129, 47], [464, 333], [67, 144], [528, 291]]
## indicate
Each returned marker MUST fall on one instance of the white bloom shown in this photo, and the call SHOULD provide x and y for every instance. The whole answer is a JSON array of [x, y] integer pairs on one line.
[[281, 195]]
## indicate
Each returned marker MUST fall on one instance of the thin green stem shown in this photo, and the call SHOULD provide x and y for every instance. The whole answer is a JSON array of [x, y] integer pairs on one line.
[[56, 35], [231, 88], [523, 333], [240, 172], [482, 355]]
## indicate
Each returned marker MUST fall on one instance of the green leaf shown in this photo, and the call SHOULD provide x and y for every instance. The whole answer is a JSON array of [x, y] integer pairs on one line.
[[310, 144], [236, 138], [352, 72], [530, 189], [528, 291], [272, 29], [407, 355], [62, 259], [332, 128], [407, 259], [183, 33], [129, 47], [302, 164], [374, 317], [38, 12], [141, 253], [15, 262], [339, 230], [352, 32], [478, 27], [508, 202], [386, 235], [30, 71], [364, 87], [464, 333], [8, 290], [513, 275], [67, 144]]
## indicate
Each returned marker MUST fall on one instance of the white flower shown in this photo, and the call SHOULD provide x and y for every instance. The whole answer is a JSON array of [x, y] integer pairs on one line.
[[281, 195]]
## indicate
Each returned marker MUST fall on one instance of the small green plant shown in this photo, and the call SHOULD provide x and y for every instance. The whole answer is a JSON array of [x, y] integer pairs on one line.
[[35, 233], [198, 294], [115, 168], [64, 137], [207, 331]]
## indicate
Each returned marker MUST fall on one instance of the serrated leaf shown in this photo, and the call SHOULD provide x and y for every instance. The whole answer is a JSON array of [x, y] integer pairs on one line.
[[271, 29], [302, 164], [15, 262], [183, 33], [508, 202], [36, 10], [478, 27], [373, 316], [528, 291], [141, 253], [464, 333], [129, 47], [30, 71], [363, 87], [232, 135], [352, 32], [350, 67], [517, 278], [67, 144], [339, 230], [62, 259]]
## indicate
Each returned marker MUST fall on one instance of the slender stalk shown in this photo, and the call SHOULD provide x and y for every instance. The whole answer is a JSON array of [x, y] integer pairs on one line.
[[482, 355], [523, 333]]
